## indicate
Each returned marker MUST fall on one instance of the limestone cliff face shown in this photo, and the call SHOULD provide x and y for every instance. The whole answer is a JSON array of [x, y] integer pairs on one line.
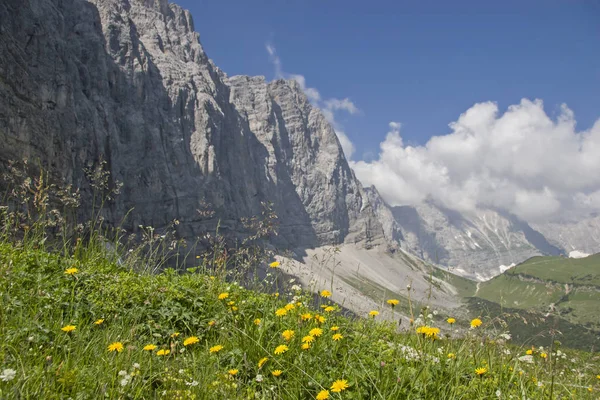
[[128, 80]]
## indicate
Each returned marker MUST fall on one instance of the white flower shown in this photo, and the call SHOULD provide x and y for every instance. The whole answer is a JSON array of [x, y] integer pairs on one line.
[[136, 366], [528, 359], [507, 352], [435, 312], [498, 393], [259, 378], [505, 336], [122, 373], [192, 383], [124, 382], [8, 374], [296, 288]]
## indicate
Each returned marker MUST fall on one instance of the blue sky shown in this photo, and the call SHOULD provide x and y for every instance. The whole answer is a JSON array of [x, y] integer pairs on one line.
[[421, 63]]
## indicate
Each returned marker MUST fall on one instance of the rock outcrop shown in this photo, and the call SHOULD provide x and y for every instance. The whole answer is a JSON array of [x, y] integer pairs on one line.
[[128, 81]]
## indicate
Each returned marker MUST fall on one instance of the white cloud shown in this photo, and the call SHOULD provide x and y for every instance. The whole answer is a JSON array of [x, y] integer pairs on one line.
[[521, 161], [328, 106], [343, 104]]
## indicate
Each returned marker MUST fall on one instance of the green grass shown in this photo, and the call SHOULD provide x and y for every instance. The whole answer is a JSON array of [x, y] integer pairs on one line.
[[578, 271], [164, 309], [564, 286]]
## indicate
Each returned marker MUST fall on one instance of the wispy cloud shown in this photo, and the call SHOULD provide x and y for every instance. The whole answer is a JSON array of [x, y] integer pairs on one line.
[[328, 106]]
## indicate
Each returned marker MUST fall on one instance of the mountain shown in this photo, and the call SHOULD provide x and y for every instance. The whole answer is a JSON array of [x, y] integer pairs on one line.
[[127, 81], [576, 237], [479, 245]]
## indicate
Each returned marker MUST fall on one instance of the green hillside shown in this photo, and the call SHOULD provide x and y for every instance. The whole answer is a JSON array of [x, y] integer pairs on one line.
[[566, 287]]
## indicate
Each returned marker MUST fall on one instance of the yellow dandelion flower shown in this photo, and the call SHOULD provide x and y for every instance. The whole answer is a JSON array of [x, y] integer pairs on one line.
[[68, 328], [529, 352], [230, 303], [234, 308], [451, 355], [339, 385], [215, 349], [428, 331], [257, 321], [337, 336], [393, 302], [99, 321], [71, 271], [329, 309], [290, 306], [191, 340], [305, 346], [323, 395], [306, 317], [373, 313], [223, 296], [480, 371], [316, 332], [163, 352], [149, 347], [451, 320], [282, 348], [476, 323], [175, 334], [288, 334], [597, 376], [320, 319], [233, 372], [308, 339], [212, 323], [281, 312], [275, 264], [116, 346], [326, 293], [277, 372], [543, 355], [335, 328], [262, 362]]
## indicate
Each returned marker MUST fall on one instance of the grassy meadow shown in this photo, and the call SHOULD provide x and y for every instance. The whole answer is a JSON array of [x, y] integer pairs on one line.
[[84, 316]]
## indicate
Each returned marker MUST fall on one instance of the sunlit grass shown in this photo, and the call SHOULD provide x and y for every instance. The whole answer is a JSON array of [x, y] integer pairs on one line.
[[109, 331]]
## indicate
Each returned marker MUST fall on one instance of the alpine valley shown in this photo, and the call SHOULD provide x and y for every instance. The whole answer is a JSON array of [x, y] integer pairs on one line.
[[128, 82]]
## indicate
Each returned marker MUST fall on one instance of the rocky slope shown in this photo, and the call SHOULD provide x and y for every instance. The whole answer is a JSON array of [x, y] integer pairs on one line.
[[480, 245], [575, 237], [129, 82]]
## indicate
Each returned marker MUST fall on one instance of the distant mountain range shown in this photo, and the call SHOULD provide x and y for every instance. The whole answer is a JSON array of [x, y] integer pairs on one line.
[[482, 244]]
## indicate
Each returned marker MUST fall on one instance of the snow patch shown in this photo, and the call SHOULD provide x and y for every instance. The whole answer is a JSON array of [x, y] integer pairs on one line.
[[577, 254], [506, 267]]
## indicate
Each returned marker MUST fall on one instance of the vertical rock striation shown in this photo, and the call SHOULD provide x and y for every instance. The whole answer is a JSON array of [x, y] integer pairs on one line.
[[128, 81]]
